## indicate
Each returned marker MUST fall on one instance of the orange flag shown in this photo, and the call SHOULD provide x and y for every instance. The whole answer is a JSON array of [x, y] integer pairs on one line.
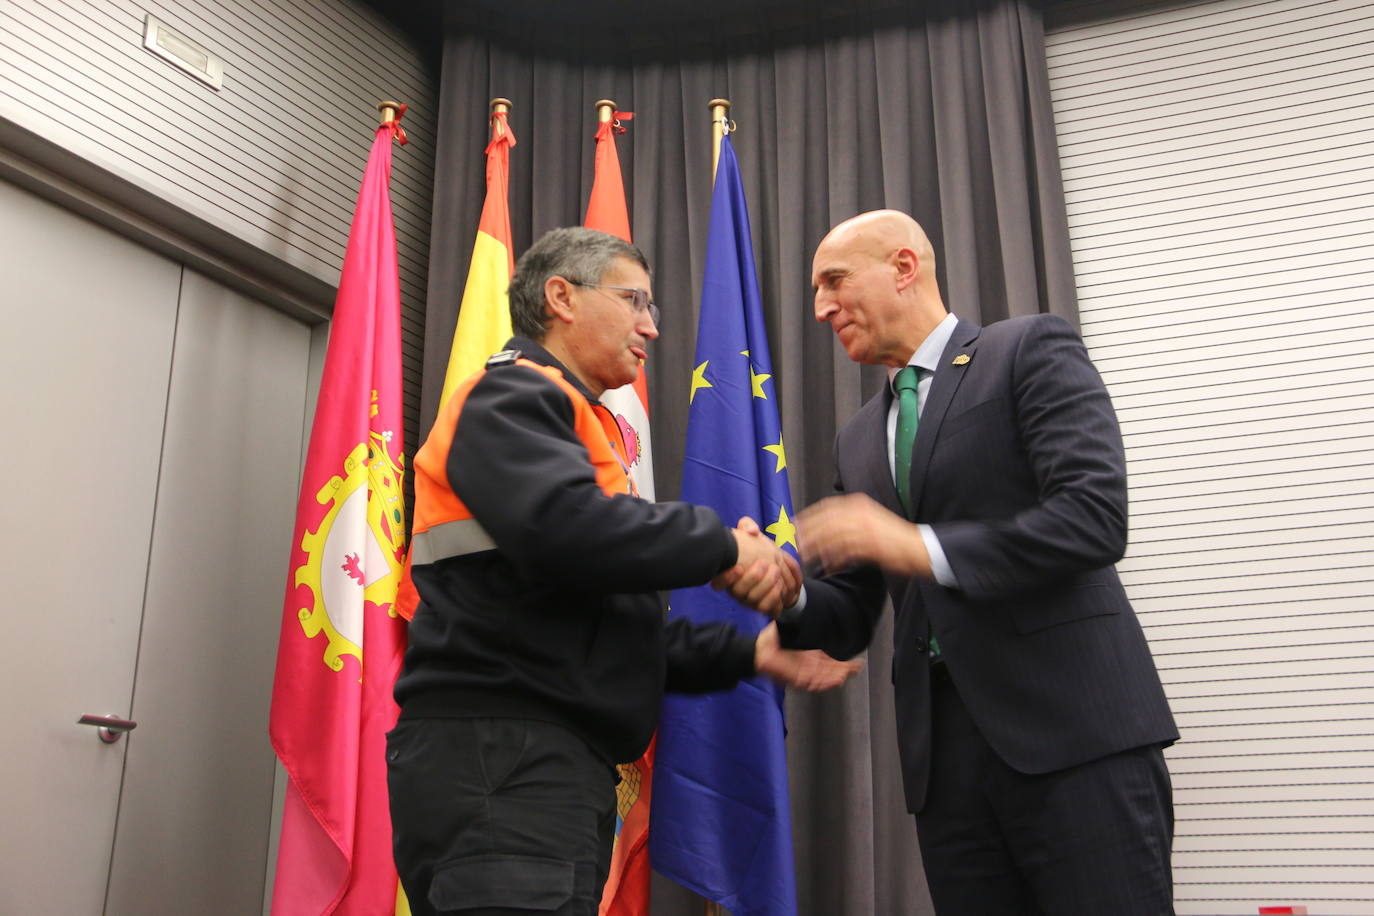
[[606, 211], [341, 641], [627, 885]]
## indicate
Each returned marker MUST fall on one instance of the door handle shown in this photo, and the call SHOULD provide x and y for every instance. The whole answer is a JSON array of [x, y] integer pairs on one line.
[[109, 728]]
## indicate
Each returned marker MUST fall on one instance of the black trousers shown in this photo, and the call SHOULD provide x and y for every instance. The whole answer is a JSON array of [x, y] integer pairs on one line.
[[499, 817], [1091, 840]]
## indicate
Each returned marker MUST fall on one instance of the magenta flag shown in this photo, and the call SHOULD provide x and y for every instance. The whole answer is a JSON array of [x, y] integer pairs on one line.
[[341, 641]]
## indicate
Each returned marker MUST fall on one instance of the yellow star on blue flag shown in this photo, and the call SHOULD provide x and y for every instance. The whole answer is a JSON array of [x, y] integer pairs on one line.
[[699, 381], [778, 450], [756, 380], [783, 531]]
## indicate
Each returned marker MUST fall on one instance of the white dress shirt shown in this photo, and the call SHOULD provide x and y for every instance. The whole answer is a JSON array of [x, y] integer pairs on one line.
[[927, 359]]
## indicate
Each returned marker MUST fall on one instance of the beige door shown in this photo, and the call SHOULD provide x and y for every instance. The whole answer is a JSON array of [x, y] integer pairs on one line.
[[155, 432], [195, 811], [85, 348]]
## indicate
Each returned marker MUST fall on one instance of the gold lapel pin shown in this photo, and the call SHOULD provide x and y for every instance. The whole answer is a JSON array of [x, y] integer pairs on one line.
[[962, 359]]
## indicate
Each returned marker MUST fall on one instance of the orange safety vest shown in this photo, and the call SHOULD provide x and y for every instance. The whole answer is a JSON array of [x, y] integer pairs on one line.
[[443, 526]]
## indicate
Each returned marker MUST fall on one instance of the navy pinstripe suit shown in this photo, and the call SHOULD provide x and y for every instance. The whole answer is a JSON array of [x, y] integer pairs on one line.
[[1019, 469]]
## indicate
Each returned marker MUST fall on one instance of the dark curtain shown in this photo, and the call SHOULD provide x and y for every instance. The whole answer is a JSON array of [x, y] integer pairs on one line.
[[939, 109]]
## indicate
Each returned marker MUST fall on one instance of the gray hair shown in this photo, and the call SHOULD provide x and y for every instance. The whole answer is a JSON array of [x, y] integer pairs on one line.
[[577, 254]]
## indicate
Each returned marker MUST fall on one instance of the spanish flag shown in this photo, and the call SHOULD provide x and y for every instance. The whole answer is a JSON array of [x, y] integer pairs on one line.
[[484, 313], [627, 885]]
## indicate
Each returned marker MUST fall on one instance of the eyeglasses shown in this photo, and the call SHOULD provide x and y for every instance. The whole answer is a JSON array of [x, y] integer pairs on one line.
[[640, 302]]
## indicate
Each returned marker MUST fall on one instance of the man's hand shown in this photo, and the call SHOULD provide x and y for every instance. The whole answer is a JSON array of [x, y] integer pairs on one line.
[[852, 530], [763, 577], [809, 670]]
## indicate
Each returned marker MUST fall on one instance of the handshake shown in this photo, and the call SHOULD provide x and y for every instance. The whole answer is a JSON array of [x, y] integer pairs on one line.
[[764, 577], [769, 580]]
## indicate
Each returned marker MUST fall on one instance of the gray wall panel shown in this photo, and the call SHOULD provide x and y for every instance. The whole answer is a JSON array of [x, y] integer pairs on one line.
[[1216, 160], [273, 158]]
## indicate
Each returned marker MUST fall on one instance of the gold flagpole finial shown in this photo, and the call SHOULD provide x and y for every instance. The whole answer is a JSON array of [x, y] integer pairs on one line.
[[391, 114], [720, 126], [498, 106], [605, 110]]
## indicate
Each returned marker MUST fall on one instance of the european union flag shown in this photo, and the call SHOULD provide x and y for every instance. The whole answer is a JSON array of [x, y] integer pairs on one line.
[[720, 821]]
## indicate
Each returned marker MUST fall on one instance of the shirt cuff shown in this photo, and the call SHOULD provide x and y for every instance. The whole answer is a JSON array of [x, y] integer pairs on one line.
[[939, 563]]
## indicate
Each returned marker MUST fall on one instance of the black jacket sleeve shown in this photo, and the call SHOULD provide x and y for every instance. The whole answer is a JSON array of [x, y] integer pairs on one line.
[[518, 465], [841, 609], [704, 657], [840, 614]]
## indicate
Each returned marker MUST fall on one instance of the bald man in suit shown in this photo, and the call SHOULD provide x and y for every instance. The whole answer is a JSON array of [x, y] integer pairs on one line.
[[1030, 716]]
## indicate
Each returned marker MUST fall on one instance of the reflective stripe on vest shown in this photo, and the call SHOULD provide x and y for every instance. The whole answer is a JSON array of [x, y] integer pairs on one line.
[[449, 539]]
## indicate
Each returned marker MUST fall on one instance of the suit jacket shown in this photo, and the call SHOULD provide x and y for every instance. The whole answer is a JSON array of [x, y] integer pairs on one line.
[[1018, 467]]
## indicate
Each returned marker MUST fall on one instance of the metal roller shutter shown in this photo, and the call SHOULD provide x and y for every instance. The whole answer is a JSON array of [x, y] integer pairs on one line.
[[1218, 164]]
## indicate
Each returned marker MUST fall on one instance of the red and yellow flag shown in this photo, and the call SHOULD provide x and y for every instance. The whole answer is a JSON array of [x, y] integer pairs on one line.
[[606, 211], [341, 639], [627, 885], [484, 312]]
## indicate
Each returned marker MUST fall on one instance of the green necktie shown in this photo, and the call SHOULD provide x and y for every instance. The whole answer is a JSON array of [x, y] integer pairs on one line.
[[908, 413]]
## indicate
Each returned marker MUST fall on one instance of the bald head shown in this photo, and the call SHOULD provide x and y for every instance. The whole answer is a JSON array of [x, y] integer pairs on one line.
[[878, 233], [874, 277]]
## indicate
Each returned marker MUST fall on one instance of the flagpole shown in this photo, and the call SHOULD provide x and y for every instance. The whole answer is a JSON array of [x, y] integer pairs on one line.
[[720, 123], [390, 113]]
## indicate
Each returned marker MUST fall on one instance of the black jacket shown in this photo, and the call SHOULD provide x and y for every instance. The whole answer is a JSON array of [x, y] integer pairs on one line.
[[562, 621], [1019, 468]]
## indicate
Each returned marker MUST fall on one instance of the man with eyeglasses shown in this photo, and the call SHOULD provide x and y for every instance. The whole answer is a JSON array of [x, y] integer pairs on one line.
[[539, 653]]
